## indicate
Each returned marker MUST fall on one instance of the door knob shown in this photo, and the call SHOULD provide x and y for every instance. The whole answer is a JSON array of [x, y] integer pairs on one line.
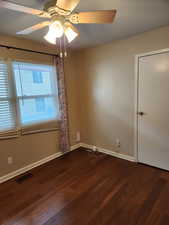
[[141, 113]]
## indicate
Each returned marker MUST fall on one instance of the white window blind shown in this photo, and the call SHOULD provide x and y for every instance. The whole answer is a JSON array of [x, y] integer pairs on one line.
[[8, 126], [28, 98]]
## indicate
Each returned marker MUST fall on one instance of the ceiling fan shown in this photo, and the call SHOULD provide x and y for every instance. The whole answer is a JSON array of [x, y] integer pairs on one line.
[[61, 18]]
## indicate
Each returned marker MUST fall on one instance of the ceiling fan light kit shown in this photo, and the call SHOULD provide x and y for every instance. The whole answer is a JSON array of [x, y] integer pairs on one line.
[[70, 32], [62, 18], [55, 31]]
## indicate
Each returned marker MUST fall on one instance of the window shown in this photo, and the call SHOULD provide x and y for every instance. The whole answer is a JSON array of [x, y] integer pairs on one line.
[[36, 103], [37, 77], [24, 103]]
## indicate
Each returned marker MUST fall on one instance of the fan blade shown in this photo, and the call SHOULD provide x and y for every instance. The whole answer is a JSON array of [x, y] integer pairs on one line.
[[20, 8], [34, 28], [104, 16], [68, 5]]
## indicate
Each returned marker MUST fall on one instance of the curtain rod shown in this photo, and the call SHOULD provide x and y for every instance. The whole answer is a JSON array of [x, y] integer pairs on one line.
[[28, 50]]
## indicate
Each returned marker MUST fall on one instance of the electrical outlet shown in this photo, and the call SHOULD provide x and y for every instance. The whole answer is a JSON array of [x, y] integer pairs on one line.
[[10, 160], [118, 144], [94, 148], [77, 136]]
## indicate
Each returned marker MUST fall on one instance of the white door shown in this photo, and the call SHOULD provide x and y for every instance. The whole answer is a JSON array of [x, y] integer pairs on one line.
[[153, 110]]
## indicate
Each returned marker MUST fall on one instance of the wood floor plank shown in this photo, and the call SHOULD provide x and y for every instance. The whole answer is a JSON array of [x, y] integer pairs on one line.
[[83, 188]]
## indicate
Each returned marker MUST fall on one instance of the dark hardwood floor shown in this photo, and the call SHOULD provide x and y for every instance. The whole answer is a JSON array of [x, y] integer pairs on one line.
[[82, 188]]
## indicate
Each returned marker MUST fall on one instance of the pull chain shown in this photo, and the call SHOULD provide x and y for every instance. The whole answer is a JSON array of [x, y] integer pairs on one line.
[[65, 50], [62, 47]]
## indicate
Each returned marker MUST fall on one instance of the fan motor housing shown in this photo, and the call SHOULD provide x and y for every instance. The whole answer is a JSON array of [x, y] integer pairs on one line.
[[59, 18], [53, 9], [49, 5]]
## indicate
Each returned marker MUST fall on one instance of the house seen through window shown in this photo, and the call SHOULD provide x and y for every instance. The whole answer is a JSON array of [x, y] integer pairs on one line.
[[37, 77], [40, 104]]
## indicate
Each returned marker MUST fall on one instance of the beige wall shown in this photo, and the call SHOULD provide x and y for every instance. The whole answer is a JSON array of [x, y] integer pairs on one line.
[[107, 88], [73, 96], [100, 90], [31, 148]]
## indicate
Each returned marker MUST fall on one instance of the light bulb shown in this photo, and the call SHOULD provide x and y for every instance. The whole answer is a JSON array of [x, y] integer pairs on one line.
[[71, 32], [55, 31], [50, 39]]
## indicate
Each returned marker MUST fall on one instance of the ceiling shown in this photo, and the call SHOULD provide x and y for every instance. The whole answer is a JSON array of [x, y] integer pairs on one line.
[[133, 17]]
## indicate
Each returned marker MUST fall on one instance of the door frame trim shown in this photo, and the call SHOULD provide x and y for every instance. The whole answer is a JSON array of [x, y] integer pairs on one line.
[[136, 95]]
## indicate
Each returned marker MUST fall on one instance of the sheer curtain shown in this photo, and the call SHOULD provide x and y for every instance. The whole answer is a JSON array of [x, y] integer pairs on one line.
[[63, 106]]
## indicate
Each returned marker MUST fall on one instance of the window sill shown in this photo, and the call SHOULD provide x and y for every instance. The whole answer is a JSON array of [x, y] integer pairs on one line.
[[39, 131], [20, 133]]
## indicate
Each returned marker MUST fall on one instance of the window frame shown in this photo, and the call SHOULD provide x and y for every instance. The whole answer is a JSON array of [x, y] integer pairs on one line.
[[14, 99]]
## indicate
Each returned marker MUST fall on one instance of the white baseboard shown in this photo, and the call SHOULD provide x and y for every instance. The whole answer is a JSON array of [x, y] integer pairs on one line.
[[109, 152], [29, 167], [58, 154], [36, 164], [87, 146], [74, 147]]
